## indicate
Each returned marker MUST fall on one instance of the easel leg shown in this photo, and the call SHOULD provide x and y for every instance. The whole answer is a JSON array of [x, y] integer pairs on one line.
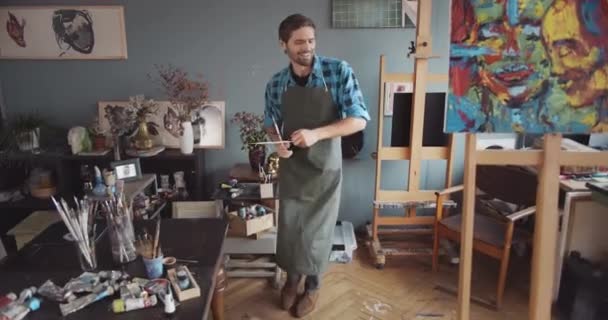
[[545, 231], [466, 236]]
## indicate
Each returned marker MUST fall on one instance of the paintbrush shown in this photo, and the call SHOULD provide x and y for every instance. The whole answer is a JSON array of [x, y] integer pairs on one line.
[[156, 238], [272, 142]]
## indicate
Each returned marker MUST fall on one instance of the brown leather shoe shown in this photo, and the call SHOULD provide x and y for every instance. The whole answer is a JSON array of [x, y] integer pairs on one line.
[[289, 293], [307, 303]]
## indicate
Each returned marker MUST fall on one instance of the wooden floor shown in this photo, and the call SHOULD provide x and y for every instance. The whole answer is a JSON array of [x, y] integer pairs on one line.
[[404, 289]]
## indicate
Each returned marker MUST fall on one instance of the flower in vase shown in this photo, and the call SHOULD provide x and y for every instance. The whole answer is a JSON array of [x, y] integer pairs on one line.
[[251, 129]]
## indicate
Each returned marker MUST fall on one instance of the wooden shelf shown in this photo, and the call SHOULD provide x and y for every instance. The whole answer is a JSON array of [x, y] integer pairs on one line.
[[28, 203]]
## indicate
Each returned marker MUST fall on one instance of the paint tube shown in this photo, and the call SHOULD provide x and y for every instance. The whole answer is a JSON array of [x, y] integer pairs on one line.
[[125, 305], [113, 275], [55, 293], [18, 310], [86, 282], [168, 300], [7, 299], [101, 291], [26, 294], [130, 291]]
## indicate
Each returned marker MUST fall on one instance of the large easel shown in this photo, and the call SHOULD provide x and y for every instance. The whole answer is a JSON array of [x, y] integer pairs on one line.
[[413, 197], [548, 160]]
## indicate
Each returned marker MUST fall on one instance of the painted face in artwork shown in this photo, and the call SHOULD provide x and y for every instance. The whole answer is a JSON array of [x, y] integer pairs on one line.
[[517, 66], [575, 35], [74, 29], [300, 48]]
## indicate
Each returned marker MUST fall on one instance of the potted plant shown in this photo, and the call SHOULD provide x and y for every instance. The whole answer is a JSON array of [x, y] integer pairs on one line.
[[26, 130], [251, 130], [98, 135], [143, 109], [121, 122], [186, 94]]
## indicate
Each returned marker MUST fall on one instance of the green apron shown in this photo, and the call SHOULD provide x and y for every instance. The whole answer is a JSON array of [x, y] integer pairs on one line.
[[309, 183]]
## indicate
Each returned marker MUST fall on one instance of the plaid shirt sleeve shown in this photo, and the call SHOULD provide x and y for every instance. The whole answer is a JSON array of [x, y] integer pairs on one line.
[[350, 98], [271, 109]]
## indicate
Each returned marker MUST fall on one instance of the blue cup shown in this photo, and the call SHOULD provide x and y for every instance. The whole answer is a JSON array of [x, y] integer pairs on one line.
[[154, 267]]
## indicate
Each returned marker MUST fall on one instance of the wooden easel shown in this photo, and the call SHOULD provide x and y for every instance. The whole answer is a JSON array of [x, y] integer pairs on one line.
[[414, 197], [548, 161]]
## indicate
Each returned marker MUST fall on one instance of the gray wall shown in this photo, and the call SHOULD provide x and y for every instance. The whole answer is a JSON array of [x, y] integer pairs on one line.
[[234, 44]]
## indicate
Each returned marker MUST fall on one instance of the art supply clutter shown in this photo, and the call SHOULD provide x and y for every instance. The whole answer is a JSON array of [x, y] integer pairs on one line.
[[134, 294], [247, 220]]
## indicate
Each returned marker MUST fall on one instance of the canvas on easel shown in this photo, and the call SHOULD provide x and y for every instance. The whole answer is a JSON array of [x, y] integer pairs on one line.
[[528, 66]]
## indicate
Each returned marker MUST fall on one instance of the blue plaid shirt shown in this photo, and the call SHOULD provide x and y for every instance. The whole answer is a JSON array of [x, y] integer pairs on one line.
[[340, 80]]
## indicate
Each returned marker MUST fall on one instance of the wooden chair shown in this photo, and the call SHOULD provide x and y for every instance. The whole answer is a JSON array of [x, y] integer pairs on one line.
[[494, 234]]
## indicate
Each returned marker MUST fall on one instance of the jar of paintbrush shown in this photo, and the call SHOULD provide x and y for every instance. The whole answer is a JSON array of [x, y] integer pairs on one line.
[[149, 249], [120, 231]]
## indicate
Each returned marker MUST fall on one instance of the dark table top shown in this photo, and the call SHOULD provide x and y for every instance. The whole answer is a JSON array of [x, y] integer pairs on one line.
[[49, 256]]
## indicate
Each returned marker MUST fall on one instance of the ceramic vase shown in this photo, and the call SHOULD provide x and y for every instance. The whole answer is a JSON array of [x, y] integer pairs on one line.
[[186, 140]]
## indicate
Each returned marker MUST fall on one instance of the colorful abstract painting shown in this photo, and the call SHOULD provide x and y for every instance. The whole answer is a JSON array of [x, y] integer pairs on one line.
[[532, 66]]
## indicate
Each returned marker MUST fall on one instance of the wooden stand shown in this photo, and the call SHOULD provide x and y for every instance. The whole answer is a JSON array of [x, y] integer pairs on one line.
[[413, 197], [548, 161]]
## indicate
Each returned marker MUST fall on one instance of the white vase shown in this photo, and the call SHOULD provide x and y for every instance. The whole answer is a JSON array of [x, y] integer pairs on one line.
[[186, 141]]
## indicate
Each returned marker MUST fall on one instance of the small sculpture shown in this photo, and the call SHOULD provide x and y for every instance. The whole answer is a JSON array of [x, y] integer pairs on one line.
[[272, 165], [78, 139], [109, 178], [100, 187]]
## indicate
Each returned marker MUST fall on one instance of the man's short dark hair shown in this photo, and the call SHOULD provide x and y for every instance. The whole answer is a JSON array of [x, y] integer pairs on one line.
[[292, 23]]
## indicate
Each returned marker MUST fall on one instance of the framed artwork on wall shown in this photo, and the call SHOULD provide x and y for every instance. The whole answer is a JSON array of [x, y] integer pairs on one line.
[[208, 123], [528, 67], [392, 88], [61, 32], [374, 13]]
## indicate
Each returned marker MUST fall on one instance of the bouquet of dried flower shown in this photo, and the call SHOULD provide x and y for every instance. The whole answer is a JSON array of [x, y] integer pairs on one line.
[[185, 93]]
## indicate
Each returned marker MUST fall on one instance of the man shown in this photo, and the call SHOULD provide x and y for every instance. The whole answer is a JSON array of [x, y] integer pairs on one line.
[[312, 102]]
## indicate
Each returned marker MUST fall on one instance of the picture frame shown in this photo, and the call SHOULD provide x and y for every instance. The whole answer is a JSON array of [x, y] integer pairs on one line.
[[127, 170], [374, 13], [390, 89], [63, 32], [208, 134]]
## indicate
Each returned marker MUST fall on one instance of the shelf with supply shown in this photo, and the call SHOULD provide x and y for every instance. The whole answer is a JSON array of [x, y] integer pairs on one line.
[[66, 176]]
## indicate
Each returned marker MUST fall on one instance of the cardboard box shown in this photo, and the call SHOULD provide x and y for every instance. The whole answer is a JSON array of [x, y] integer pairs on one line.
[[237, 227]]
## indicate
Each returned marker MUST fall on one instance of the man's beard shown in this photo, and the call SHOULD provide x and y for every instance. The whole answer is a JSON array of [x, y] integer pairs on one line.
[[304, 61]]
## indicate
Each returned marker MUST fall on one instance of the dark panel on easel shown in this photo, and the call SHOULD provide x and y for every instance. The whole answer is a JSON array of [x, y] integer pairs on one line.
[[433, 135]]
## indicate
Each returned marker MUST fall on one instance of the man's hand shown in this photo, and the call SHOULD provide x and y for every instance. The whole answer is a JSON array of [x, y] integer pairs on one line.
[[282, 150], [304, 138]]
